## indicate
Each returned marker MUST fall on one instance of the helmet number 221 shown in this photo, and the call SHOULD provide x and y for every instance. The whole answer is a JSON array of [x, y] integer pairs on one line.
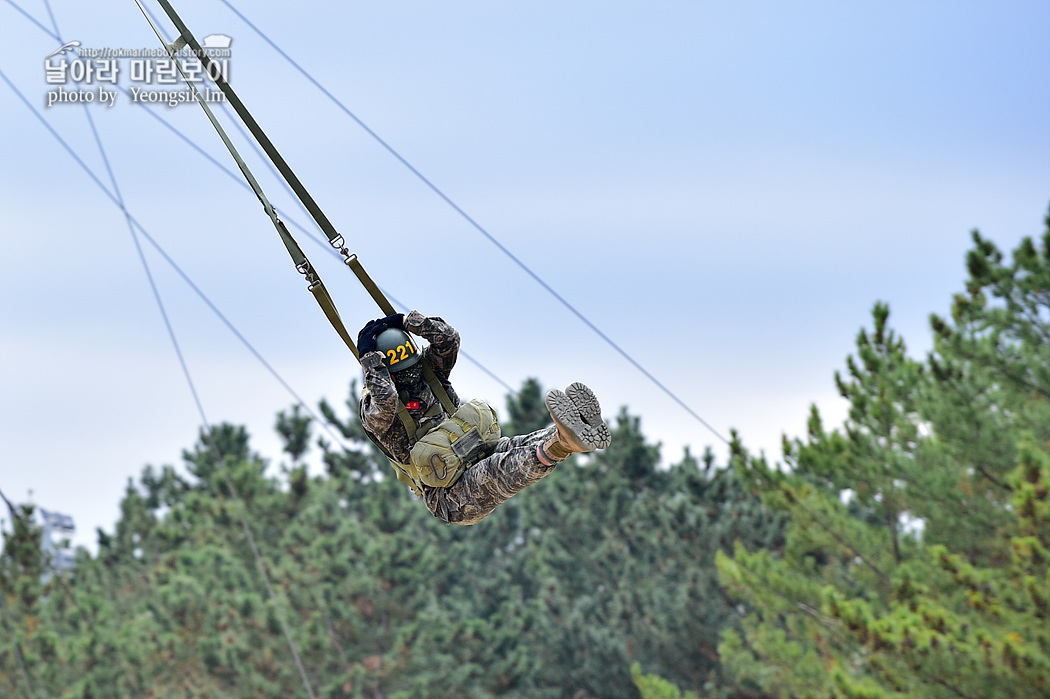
[[400, 353]]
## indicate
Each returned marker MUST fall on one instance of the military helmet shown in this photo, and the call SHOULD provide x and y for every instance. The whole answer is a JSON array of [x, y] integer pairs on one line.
[[399, 350]]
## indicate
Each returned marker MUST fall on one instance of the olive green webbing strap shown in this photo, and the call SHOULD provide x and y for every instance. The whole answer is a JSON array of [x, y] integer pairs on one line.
[[302, 264]]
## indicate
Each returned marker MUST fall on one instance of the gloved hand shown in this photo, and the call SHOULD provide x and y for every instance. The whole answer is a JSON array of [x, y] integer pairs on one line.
[[397, 320], [366, 339]]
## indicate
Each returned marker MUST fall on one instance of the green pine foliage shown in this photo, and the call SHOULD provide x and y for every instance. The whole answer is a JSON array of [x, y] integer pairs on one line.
[[917, 552], [606, 562]]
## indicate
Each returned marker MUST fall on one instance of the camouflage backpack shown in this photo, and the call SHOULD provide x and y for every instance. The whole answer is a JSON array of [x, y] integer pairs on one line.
[[441, 456]]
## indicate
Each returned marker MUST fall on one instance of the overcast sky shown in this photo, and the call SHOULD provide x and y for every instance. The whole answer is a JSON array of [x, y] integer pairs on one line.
[[723, 189]]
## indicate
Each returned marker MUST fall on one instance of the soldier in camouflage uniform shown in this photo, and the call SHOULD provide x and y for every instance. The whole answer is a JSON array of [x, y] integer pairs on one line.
[[514, 463]]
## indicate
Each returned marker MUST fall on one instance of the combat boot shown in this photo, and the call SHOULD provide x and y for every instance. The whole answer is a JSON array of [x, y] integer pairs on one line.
[[578, 419]]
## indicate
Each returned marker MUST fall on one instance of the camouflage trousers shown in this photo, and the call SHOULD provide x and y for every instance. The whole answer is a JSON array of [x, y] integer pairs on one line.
[[510, 468]]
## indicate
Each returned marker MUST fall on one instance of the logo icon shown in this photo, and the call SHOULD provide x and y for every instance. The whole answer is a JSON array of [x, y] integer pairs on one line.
[[216, 41], [64, 48]]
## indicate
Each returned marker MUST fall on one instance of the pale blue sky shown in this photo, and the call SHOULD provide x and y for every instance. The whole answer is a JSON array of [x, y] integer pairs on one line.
[[724, 189]]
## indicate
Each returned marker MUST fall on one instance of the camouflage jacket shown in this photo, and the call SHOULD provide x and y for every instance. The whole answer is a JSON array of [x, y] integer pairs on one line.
[[379, 398]]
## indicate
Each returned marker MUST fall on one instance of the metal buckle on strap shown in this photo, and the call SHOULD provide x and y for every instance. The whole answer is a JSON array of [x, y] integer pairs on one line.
[[306, 269], [339, 244]]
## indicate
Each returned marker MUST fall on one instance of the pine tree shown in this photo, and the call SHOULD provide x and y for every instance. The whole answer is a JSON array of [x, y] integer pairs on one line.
[[22, 569], [294, 429], [855, 605]]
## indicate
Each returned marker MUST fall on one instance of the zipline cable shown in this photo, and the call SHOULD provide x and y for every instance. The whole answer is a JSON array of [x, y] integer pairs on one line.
[[260, 564], [444, 197], [34, 20]]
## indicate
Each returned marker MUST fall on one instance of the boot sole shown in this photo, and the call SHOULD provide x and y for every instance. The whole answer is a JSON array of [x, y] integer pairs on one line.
[[577, 412]]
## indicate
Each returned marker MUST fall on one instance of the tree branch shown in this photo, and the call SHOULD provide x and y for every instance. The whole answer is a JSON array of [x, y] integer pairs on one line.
[[839, 538], [952, 688]]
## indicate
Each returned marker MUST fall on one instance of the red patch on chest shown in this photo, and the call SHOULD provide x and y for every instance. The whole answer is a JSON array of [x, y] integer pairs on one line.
[[412, 405]]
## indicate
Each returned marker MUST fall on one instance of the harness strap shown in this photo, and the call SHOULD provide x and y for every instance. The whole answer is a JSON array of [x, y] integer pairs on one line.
[[410, 425], [416, 484]]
